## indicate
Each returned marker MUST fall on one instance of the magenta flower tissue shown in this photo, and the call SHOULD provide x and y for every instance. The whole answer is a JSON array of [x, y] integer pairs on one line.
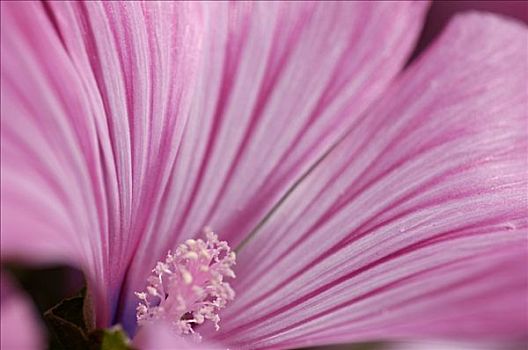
[[264, 175]]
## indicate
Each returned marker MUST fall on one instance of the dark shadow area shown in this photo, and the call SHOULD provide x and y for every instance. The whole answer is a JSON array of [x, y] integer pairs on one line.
[[47, 286]]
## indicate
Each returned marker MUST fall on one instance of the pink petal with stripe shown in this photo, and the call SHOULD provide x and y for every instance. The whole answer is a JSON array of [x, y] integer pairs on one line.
[[270, 101], [89, 129], [52, 200], [415, 225], [128, 126]]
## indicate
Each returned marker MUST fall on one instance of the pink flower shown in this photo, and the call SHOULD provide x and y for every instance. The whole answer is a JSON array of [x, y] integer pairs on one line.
[[365, 201]]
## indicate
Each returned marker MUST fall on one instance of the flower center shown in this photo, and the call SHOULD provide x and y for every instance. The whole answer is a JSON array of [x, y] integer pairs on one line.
[[188, 287]]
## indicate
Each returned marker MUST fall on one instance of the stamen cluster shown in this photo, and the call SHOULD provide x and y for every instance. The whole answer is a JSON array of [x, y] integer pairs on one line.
[[188, 287]]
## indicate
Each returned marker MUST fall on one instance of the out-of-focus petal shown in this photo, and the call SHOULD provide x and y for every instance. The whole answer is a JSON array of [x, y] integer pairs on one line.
[[159, 337], [44, 176], [415, 225], [19, 326], [270, 101]]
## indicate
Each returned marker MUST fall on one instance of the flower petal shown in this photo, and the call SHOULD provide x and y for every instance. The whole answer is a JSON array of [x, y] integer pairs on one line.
[[51, 195], [93, 107], [138, 61], [415, 225], [39, 139], [18, 321], [271, 93], [127, 87], [269, 102], [160, 337]]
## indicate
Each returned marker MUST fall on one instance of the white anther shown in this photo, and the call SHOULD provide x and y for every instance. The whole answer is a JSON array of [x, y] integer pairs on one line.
[[191, 256]]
